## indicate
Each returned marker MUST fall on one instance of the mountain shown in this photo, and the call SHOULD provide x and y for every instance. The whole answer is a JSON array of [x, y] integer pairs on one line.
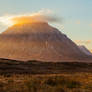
[[85, 50], [38, 41]]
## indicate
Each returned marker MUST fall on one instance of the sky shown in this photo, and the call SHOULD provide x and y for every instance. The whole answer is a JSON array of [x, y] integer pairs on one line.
[[75, 16]]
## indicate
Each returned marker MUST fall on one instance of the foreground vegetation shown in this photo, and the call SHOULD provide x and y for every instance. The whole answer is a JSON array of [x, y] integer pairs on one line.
[[34, 76], [47, 83]]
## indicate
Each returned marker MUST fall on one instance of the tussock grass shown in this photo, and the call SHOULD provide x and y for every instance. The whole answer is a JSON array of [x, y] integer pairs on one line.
[[78, 82]]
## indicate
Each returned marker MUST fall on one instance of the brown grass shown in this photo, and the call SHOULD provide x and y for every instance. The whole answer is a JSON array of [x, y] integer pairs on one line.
[[78, 82], [34, 76]]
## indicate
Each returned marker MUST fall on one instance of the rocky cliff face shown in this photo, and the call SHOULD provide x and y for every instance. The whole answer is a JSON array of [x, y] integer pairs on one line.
[[38, 41]]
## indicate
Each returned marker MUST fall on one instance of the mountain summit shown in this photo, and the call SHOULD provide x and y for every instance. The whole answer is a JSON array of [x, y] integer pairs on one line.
[[38, 41]]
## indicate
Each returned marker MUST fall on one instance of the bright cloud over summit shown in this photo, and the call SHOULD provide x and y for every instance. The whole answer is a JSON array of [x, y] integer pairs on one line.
[[40, 16]]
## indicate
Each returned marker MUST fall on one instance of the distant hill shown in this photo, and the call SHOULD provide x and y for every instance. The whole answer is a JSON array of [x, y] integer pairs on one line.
[[85, 50], [38, 41]]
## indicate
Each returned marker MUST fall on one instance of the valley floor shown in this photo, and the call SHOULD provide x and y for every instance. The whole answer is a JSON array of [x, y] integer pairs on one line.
[[34, 76]]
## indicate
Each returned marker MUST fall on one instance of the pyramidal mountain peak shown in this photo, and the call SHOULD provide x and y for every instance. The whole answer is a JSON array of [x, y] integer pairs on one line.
[[38, 41]]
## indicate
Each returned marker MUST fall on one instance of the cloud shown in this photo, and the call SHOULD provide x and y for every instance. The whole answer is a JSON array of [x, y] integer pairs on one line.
[[83, 41], [91, 25], [91, 50], [78, 22], [42, 16]]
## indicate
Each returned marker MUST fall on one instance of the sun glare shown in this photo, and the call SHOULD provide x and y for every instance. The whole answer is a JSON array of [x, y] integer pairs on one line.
[[9, 21], [12, 20], [24, 19], [42, 16], [27, 18], [6, 20]]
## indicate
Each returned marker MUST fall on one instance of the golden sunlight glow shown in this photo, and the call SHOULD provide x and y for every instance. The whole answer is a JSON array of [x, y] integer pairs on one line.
[[91, 50], [41, 15], [12, 20], [27, 19]]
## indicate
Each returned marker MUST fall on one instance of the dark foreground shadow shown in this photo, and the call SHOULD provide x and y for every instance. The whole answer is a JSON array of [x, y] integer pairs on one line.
[[37, 67]]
